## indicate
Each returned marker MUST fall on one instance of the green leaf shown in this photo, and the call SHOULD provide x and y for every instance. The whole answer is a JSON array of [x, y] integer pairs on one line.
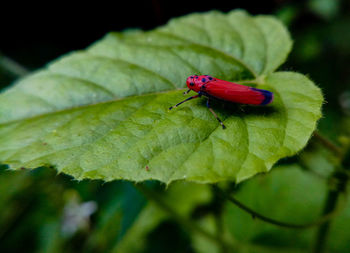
[[152, 215], [288, 194], [325, 8], [122, 206], [102, 113], [319, 160]]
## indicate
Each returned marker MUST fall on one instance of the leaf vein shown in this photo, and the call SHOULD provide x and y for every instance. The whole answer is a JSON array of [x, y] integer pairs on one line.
[[218, 51], [136, 65]]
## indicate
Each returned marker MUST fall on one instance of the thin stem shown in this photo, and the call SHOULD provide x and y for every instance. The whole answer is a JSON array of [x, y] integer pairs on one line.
[[255, 214], [341, 177], [328, 144], [218, 205], [157, 199], [220, 231], [12, 67], [330, 205]]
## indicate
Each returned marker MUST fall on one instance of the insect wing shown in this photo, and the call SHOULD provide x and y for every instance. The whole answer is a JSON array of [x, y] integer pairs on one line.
[[238, 93]]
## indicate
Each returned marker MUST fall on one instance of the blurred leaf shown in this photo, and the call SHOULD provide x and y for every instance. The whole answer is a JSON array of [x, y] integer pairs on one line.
[[282, 195], [288, 14], [325, 8], [309, 47], [102, 113], [31, 198], [50, 239], [201, 243], [319, 160], [338, 34], [287, 194], [152, 215], [120, 207]]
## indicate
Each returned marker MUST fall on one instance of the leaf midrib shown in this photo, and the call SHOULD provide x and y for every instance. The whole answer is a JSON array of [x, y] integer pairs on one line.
[[64, 110], [88, 143]]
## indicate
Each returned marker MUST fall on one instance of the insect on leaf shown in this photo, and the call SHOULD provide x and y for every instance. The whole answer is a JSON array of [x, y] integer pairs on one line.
[[102, 113]]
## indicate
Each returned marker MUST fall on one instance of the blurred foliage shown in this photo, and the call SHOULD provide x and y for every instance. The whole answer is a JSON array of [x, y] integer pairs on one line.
[[33, 202], [52, 213], [325, 8], [37, 204], [288, 193], [322, 50]]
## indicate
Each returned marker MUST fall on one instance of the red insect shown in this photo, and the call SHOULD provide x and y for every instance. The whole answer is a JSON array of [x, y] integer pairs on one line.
[[214, 88]]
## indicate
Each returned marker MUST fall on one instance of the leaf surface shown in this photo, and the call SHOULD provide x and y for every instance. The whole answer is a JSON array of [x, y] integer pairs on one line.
[[102, 113]]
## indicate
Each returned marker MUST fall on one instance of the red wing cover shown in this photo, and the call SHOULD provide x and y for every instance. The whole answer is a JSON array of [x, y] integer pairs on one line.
[[238, 93]]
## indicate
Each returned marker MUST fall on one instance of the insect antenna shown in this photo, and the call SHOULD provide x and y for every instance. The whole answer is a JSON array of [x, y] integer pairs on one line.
[[171, 107]]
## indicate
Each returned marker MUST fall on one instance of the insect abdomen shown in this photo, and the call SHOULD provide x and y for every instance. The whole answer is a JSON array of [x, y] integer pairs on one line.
[[268, 96]]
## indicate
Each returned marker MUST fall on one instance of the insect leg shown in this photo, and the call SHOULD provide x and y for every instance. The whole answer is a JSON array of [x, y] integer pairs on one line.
[[216, 116], [171, 107], [186, 92]]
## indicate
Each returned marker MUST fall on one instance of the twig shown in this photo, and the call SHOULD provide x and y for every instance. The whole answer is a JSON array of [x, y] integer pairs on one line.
[[342, 177], [218, 204], [330, 205], [328, 144], [255, 214]]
